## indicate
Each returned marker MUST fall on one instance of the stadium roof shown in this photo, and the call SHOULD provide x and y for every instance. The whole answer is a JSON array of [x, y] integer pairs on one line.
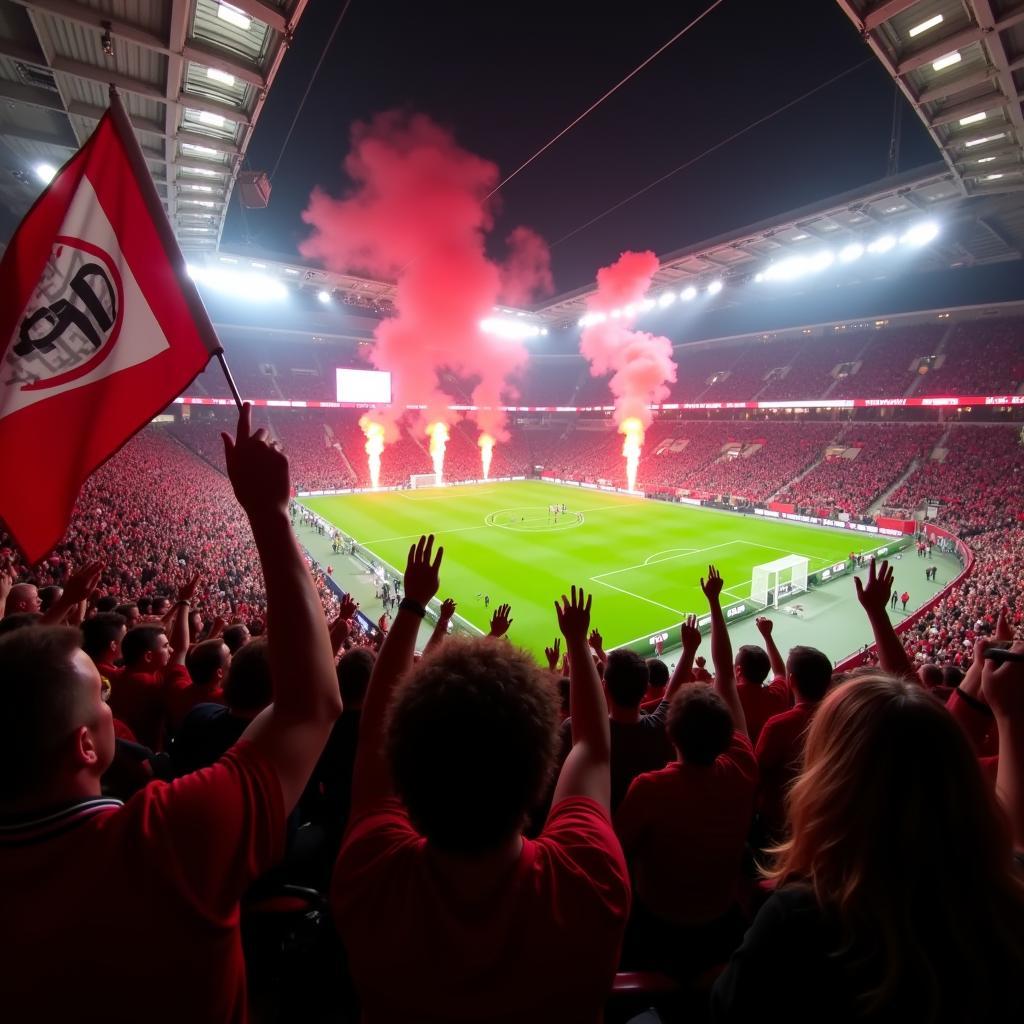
[[974, 230], [193, 74], [960, 63]]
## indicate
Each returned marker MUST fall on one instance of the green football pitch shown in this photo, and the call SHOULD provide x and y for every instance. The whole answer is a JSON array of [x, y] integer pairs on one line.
[[641, 559]]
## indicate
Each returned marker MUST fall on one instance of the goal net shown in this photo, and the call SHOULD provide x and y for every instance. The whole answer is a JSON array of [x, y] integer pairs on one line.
[[778, 579], [423, 480]]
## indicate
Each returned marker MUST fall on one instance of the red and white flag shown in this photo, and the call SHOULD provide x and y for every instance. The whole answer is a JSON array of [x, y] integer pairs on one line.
[[100, 329]]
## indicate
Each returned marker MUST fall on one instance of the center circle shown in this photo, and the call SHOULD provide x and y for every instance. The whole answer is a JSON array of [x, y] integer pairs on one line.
[[533, 519]]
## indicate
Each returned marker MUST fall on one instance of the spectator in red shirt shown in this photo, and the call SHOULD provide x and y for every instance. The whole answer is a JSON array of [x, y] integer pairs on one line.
[[700, 672], [752, 666], [780, 746], [207, 663], [684, 828], [101, 640], [154, 668], [657, 684], [173, 862], [435, 884]]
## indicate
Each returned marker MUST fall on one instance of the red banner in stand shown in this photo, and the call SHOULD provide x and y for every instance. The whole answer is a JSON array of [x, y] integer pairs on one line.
[[100, 329]]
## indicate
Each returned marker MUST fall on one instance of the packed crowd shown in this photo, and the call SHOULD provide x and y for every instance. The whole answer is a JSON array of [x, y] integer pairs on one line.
[[496, 840], [157, 516], [977, 483], [851, 485]]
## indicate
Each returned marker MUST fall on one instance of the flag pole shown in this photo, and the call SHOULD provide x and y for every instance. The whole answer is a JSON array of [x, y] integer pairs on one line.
[[170, 243], [231, 380]]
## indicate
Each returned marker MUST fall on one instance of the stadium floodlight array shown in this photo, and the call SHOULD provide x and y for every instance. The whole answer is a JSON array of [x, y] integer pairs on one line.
[[789, 268], [513, 329], [240, 284]]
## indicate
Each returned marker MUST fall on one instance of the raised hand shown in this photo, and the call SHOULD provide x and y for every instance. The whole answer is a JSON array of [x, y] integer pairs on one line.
[[500, 620], [257, 468], [552, 653], [187, 591], [596, 641], [712, 587], [690, 636], [1002, 685], [764, 625], [6, 583], [574, 616], [339, 631], [874, 595], [421, 575], [348, 607], [448, 607], [81, 584]]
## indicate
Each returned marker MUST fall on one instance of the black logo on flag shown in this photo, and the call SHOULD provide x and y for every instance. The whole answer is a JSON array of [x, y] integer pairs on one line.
[[71, 322]]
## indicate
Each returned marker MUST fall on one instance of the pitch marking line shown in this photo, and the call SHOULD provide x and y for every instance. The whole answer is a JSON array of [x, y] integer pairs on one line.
[[654, 559], [638, 597], [689, 551]]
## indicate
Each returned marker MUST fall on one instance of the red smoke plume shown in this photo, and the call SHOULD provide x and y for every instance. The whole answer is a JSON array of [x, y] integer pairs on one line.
[[640, 363], [417, 214]]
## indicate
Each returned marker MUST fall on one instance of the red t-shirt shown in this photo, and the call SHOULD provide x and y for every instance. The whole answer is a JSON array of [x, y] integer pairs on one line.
[[780, 754], [140, 699], [543, 946], [144, 895], [684, 829], [762, 702], [179, 702]]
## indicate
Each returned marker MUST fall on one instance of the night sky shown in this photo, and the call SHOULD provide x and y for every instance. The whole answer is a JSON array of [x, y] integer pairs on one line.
[[505, 78]]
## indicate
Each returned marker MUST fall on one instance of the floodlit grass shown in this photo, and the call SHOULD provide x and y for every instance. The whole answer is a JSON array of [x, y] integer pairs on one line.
[[641, 559]]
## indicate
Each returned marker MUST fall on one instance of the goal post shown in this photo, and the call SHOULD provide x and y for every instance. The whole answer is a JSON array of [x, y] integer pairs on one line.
[[423, 480], [774, 580]]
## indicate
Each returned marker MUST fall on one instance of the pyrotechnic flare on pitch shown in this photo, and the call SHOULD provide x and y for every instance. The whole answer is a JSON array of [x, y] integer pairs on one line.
[[631, 448], [374, 447], [640, 363], [416, 211], [438, 442], [486, 443]]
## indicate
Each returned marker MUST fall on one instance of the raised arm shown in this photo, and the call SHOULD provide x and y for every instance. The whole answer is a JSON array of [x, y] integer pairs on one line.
[[597, 646], [371, 780], [291, 733], [587, 769], [178, 634], [1003, 689], [341, 627], [501, 620], [721, 650], [448, 607], [689, 634], [78, 588], [552, 654], [764, 627], [874, 599]]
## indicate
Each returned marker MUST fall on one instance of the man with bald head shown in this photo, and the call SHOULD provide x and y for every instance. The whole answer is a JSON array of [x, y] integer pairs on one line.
[[24, 597]]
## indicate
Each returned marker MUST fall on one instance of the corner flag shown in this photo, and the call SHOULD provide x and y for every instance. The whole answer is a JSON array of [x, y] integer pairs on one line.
[[100, 329]]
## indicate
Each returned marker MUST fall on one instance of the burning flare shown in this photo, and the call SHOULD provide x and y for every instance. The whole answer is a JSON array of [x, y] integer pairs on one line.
[[374, 447], [438, 440], [486, 443], [634, 432]]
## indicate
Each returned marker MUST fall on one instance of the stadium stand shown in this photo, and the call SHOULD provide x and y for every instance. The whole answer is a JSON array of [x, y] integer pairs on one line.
[[881, 454], [981, 358]]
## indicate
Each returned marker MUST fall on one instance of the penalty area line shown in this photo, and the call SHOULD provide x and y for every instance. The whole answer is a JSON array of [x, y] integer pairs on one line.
[[638, 597]]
